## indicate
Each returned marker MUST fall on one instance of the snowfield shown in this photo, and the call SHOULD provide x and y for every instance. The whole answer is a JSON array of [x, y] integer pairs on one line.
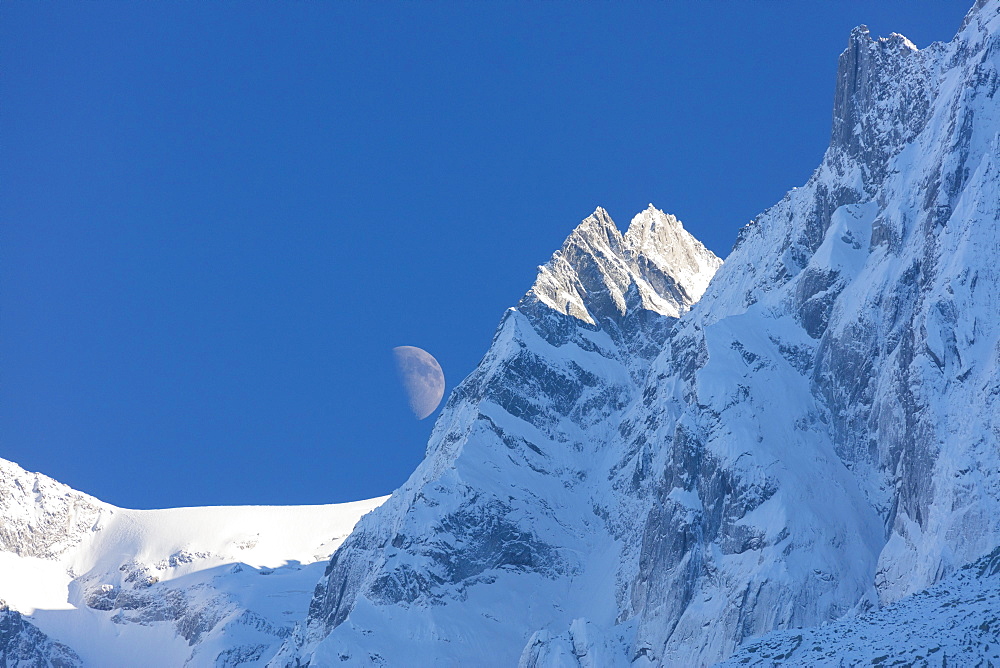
[[163, 587]]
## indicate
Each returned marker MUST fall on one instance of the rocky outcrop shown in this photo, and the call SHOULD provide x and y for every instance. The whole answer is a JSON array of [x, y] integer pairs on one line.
[[42, 517], [22, 645]]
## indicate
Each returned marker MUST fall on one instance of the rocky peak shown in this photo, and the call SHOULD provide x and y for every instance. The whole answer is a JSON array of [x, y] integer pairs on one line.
[[869, 74], [591, 275], [667, 253]]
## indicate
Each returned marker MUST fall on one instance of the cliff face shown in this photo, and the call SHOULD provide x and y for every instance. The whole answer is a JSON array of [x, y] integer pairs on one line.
[[814, 437]]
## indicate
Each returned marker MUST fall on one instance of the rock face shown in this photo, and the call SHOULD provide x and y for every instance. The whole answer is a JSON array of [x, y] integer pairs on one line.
[[953, 623], [635, 474], [22, 644], [42, 517]]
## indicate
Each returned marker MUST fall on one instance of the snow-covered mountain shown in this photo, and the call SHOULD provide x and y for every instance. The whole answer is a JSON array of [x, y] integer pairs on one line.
[[661, 460], [518, 516], [814, 438], [84, 583]]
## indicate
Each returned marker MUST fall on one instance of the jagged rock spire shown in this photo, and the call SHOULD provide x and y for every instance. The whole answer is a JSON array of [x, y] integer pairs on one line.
[[590, 276]]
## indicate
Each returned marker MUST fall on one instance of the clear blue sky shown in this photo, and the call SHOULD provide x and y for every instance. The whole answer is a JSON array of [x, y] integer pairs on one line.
[[218, 219]]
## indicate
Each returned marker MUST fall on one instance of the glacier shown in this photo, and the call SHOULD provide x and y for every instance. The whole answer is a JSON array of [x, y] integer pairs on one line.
[[84, 583], [663, 459]]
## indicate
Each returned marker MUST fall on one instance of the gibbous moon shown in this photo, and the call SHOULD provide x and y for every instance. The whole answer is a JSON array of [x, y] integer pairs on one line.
[[422, 378]]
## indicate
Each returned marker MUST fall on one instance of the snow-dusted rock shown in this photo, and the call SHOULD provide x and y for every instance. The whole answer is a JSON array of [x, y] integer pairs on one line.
[[22, 645], [953, 623], [591, 276], [42, 517]]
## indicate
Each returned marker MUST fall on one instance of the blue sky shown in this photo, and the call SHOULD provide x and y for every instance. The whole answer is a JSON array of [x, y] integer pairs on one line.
[[219, 219]]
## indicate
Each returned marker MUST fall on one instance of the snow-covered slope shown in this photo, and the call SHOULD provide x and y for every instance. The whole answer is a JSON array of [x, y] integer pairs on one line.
[[954, 623], [87, 582], [816, 437]]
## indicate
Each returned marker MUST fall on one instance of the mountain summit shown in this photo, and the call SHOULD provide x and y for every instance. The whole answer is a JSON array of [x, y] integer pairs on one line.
[[590, 276]]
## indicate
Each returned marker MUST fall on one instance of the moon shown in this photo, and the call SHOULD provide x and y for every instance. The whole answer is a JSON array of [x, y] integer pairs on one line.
[[422, 379]]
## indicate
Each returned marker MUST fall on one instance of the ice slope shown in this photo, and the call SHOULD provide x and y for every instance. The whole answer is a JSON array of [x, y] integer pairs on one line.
[[816, 437], [183, 586]]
